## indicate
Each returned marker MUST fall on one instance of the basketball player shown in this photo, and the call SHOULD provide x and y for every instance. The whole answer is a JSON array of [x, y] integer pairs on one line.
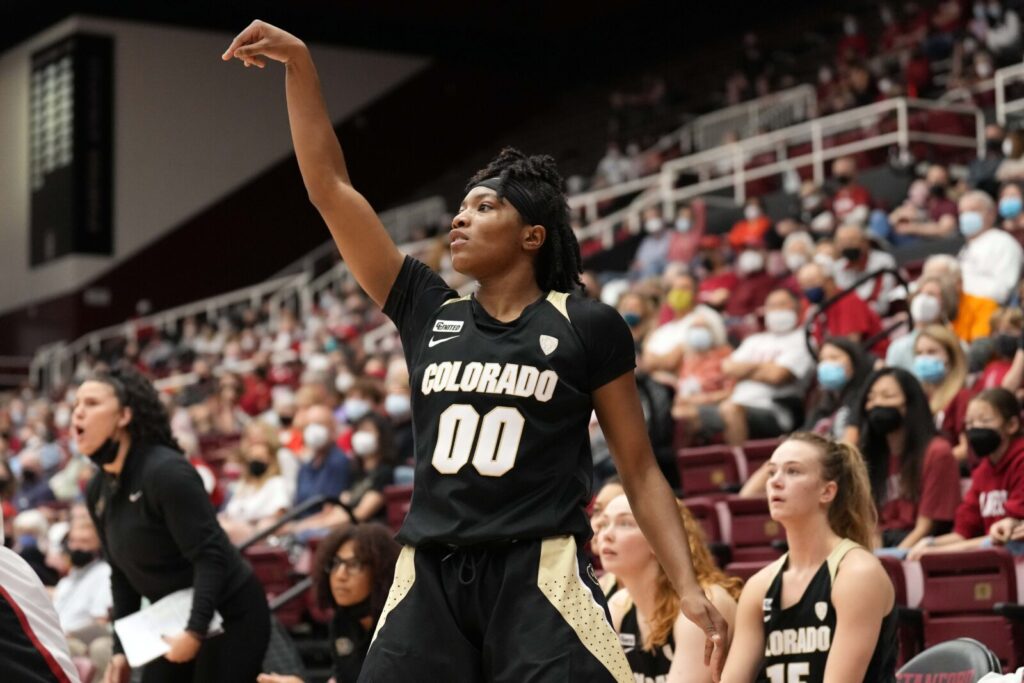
[[491, 583], [824, 611]]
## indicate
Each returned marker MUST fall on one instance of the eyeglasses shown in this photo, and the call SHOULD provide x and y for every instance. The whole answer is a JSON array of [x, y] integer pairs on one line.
[[351, 565]]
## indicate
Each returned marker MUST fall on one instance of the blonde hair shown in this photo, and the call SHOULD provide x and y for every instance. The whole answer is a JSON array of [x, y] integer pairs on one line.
[[852, 513], [258, 433], [666, 609], [956, 376]]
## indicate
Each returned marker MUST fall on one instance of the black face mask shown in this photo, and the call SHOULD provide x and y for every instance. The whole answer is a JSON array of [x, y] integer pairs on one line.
[[983, 441], [29, 477], [80, 558], [937, 191], [885, 419], [851, 254], [285, 420], [105, 454], [844, 179], [708, 264], [994, 145], [1006, 345], [257, 468]]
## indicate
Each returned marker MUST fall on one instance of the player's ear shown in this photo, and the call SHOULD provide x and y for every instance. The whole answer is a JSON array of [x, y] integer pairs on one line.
[[533, 237]]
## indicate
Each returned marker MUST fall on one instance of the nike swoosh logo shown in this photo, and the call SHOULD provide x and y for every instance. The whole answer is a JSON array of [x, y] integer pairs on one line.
[[434, 342], [134, 497]]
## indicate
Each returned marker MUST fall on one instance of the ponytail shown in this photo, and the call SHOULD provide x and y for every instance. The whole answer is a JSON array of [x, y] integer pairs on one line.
[[852, 513]]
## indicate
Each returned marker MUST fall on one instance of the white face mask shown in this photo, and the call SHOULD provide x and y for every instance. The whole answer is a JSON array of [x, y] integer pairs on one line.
[[925, 308], [397, 405], [751, 212], [750, 262], [794, 261], [343, 382], [683, 224], [699, 338], [355, 408], [780, 322], [62, 417], [315, 436], [364, 443], [652, 225]]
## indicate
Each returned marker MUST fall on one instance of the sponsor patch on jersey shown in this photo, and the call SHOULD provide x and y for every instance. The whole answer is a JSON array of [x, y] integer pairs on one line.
[[448, 326], [821, 610], [548, 344], [628, 642], [766, 607]]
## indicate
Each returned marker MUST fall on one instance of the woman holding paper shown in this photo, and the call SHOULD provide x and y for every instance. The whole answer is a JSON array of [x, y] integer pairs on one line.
[[161, 535]]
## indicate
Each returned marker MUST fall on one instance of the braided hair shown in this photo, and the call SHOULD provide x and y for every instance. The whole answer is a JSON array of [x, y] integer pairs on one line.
[[558, 263], [150, 424]]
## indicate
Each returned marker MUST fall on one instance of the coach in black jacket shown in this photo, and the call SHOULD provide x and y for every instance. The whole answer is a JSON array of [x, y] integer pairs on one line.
[[160, 534]]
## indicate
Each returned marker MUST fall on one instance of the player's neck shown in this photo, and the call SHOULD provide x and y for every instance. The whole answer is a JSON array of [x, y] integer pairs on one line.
[[643, 590], [505, 295], [810, 542]]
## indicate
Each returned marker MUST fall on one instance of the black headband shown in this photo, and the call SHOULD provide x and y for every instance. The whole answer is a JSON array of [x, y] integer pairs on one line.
[[518, 196]]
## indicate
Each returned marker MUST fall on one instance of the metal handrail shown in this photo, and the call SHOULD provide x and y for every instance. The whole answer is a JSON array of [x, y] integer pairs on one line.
[[290, 516], [1013, 72]]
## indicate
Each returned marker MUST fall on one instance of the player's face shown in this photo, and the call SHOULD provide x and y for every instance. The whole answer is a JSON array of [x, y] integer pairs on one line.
[[96, 416], [795, 487], [349, 585], [485, 234], [623, 548]]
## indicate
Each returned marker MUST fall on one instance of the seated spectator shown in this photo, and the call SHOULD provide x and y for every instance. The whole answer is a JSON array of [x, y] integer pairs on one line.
[[699, 379], [797, 251], [262, 495], [849, 317], [374, 470], [753, 226], [752, 286], [927, 213], [997, 483], [614, 167], [660, 643], [352, 574], [999, 348], [686, 239], [30, 542], [859, 259], [933, 303], [981, 173], [366, 395], [941, 368], [639, 313], [989, 264], [652, 254], [398, 407], [325, 470], [1011, 210], [718, 279], [915, 480], [770, 370], [677, 293], [1000, 29], [851, 202], [83, 599]]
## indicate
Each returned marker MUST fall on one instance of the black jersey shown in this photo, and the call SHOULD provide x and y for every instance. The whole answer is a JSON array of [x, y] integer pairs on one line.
[[647, 666], [501, 410], [797, 639]]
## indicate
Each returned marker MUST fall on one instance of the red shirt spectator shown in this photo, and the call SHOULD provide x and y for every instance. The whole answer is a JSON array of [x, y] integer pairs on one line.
[[851, 201], [847, 317], [750, 230], [749, 293], [997, 491], [939, 494]]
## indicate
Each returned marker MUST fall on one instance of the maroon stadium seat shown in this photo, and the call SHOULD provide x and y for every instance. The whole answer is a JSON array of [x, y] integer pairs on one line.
[[757, 452], [753, 530], [910, 635], [963, 596], [703, 510], [273, 569], [396, 500], [707, 470], [744, 570]]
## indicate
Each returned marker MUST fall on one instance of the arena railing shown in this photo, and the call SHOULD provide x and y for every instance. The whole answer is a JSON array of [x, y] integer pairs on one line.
[[770, 112], [806, 147], [1009, 103]]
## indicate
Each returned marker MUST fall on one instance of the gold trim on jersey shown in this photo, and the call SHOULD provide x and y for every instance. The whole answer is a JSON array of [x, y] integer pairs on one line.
[[558, 300], [405, 577], [452, 301], [559, 580], [836, 556]]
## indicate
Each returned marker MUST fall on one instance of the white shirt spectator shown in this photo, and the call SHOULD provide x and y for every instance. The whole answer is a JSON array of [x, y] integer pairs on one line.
[[877, 260], [788, 350], [670, 336], [990, 265], [83, 596], [251, 503]]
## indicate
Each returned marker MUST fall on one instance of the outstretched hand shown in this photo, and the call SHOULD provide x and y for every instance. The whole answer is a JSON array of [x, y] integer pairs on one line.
[[698, 609], [261, 41]]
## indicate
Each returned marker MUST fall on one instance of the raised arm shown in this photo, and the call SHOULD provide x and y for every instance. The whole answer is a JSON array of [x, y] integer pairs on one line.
[[364, 244]]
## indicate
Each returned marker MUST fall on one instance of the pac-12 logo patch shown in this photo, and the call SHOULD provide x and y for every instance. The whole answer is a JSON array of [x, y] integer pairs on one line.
[[821, 610], [449, 326], [766, 607], [548, 344]]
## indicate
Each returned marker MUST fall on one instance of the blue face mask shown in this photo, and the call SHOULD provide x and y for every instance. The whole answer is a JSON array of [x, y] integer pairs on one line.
[[632, 319], [1010, 207], [832, 375], [929, 369], [815, 294], [971, 223]]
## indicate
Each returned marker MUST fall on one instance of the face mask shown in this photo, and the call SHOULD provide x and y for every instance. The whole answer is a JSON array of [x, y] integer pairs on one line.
[[397, 405], [1006, 345], [795, 262], [929, 369], [343, 382], [285, 420], [105, 454], [1010, 207], [652, 225], [683, 224], [984, 441], [850, 28], [364, 443], [937, 191], [925, 308], [315, 436], [780, 322], [815, 294], [750, 262], [708, 264], [832, 375], [885, 419], [25, 542], [851, 254], [1007, 147], [984, 69], [80, 558], [257, 468], [699, 338], [844, 179], [994, 145], [679, 299], [62, 417], [632, 319], [751, 212], [971, 223], [355, 408], [885, 86]]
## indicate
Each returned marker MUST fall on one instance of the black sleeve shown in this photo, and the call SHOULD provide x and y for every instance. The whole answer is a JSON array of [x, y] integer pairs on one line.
[[605, 336], [416, 294], [192, 523], [383, 476]]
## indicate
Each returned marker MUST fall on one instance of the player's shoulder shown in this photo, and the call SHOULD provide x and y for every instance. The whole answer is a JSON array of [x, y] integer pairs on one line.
[[857, 566], [584, 312]]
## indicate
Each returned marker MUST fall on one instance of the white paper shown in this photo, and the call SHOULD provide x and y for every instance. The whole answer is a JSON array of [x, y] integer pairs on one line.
[[141, 633]]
